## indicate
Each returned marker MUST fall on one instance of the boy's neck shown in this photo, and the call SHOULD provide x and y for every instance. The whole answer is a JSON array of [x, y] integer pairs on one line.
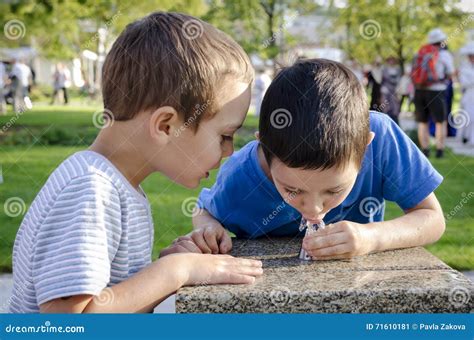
[[123, 155]]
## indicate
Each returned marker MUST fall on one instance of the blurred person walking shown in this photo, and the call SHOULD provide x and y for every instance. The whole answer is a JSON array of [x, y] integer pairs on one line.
[[432, 67], [3, 78], [374, 81], [61, 82], [466, 78], [391, 75]]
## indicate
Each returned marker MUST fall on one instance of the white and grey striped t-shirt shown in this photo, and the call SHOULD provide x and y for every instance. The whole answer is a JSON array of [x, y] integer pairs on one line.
[[87, 229]]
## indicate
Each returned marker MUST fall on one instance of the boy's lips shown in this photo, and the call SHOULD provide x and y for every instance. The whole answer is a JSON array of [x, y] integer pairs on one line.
[[314, 220], [207, 173]]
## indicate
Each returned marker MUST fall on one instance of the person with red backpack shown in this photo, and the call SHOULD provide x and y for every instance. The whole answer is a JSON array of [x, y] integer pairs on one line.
[[432, 67]]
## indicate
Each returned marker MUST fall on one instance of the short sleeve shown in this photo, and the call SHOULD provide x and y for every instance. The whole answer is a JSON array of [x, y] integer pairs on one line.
[[77, 240], [407, 175]]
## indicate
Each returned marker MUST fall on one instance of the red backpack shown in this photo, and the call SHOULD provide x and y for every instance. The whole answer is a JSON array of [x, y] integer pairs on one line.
[[423, 72]]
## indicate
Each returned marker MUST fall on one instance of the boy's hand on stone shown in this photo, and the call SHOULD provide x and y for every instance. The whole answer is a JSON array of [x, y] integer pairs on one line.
[[211, 239], [183, 244], [202, 269], [341, 240]]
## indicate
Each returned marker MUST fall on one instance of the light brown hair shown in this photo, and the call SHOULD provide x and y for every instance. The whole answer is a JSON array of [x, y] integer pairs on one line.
[[170, 59]]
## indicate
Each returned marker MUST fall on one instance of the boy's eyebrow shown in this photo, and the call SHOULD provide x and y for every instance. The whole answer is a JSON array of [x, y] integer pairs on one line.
[[340, 186], [289, 186]]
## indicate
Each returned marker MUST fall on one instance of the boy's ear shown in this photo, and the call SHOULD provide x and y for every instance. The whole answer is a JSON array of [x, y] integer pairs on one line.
[[371, 137], [257, 135], [163, 121]]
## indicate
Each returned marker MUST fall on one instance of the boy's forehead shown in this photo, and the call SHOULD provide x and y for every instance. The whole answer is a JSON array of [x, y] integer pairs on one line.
[[301, 178], [232, 105]]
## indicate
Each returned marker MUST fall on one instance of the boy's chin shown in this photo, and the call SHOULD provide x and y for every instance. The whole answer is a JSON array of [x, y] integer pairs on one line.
[[189, 183]]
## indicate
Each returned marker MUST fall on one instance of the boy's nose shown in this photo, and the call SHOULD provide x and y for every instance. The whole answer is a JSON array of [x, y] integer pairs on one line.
[[312, 208]]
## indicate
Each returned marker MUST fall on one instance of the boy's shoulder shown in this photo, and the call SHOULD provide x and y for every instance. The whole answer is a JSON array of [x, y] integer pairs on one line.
[[380, 122], [83, 174], [387, 133], [82, 165]]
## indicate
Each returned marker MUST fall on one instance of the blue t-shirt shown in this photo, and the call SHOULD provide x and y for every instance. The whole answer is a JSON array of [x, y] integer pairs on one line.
[[245, 201]]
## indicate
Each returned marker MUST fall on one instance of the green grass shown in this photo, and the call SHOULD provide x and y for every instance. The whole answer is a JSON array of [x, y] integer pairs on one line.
[[45, 116], [25, 169], [66, 116], [456, 246]]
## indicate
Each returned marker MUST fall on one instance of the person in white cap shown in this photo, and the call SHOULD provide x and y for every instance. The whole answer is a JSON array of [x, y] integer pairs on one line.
[[431, 69], [466, 78]]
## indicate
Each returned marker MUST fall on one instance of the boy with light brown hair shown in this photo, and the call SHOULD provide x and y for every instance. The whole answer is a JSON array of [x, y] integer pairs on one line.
[[173, 101]]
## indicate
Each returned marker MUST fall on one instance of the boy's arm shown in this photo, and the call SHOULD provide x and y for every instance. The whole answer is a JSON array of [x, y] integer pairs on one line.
[[209, 234], [421, 225], [139, 294], [143, 291], [202, 218], [208, 237]]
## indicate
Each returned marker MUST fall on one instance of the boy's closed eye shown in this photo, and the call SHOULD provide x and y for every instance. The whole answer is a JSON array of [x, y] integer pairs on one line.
[[225, 138], [293, 192], [228, 136], [336, 192]]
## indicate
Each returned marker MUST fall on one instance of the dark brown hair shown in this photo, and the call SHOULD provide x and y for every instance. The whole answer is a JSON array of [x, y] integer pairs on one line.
[[170, 59], [315, 116]]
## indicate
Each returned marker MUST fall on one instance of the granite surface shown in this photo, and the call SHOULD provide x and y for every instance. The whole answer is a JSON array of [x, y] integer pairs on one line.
[[400, 281]]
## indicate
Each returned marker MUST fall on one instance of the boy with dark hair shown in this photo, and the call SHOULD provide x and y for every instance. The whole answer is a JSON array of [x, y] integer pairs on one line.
[[173, 102], [322, 156]]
